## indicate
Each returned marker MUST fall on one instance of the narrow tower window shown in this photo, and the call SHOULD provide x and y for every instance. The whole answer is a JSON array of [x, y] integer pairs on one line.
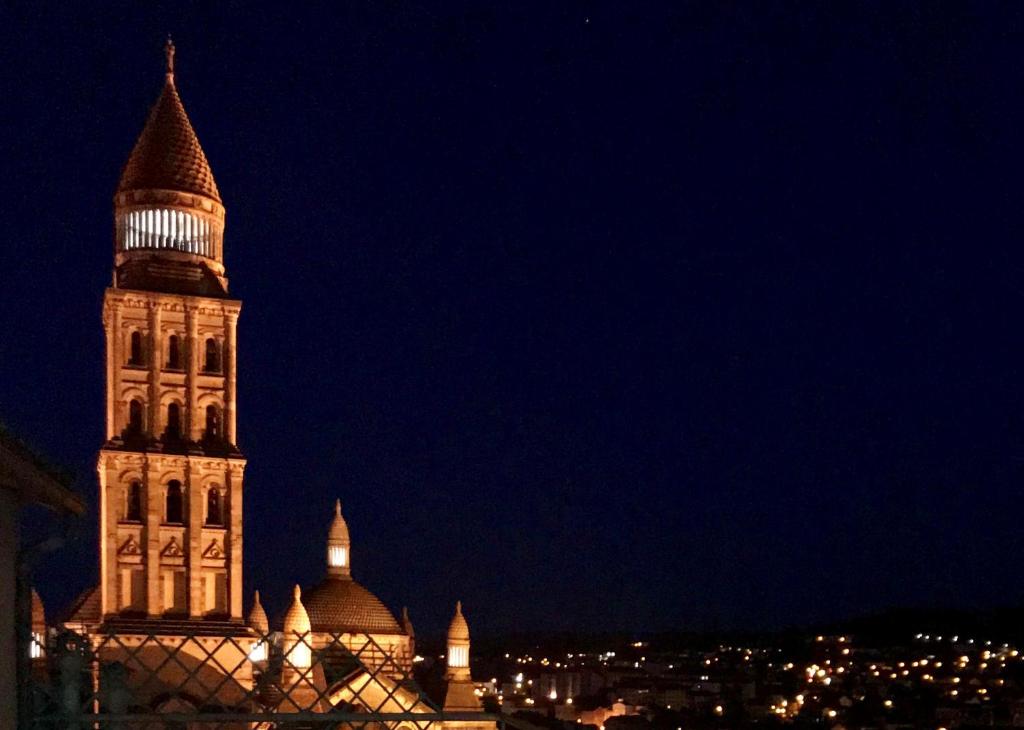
[[214, 513], [212, 356], [175, 508], [135, 358], [133, 505], [212, 423], [173, 353], [134, 417], [173, 422]]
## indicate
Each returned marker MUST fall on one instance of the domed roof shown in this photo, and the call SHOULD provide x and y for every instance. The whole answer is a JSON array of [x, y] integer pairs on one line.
[[458, 629], [338, 604], [167, 155], [297, 619]]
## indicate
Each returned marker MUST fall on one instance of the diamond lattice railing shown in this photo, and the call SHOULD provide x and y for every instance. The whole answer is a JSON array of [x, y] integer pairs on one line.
[[240, 679]]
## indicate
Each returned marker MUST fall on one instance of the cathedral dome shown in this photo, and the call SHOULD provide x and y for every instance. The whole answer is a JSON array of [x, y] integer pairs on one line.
[[341, 605]]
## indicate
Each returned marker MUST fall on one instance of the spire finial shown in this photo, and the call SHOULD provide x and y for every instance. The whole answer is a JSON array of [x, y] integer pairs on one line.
[[297, 593], [256, 596], [169, 52], [458, 607], [337, 507]]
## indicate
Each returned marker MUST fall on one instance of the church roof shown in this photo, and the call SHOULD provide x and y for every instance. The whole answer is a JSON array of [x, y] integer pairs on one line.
[[339, 604], [85, 609], [167, 155]]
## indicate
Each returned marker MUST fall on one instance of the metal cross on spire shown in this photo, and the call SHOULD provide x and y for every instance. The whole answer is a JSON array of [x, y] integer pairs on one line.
[[169, 52]]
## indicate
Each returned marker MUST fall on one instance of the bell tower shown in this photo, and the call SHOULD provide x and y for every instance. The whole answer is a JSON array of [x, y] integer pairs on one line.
[[170, 473]]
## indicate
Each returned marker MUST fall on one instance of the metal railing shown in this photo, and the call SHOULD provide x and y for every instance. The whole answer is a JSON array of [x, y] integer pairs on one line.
[[223, 677]]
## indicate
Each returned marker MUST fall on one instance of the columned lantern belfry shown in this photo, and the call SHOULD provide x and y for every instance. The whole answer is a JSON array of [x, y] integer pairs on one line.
[[170, 471], [167, 200]]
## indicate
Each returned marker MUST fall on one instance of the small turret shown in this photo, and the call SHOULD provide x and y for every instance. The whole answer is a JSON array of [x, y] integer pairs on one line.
[[257, 616], [407, 623], [258, 622], [458, 644], [460, 695], [297, 640], [411, 633]]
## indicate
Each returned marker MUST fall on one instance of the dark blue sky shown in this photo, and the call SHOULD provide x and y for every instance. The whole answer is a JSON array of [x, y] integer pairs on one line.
[[595, 315]]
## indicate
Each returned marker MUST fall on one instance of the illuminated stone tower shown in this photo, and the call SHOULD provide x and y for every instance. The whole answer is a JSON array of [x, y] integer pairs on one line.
[[170, 473]]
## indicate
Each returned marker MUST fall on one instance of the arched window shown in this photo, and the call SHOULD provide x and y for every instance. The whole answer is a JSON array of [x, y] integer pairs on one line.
[[212, 423], [133, 503], [214, 509], [135, 417], [135, 356], [212, 356], [175, 508], [173, 353], [173, 422]]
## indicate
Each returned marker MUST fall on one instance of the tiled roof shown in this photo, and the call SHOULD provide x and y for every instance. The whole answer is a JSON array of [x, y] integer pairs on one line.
[[339, 604], [167, 155], [85, 609]]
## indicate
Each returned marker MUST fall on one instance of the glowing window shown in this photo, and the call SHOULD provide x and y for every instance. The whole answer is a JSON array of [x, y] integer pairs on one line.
[[35, 649], [337, 556], [458, 656], [300, 656]]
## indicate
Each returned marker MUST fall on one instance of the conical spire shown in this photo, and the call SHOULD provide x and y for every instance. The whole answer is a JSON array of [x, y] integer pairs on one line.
[[38, 612], [257, 616], [458, 629], [167, 155], [296, 621], [297, 639]]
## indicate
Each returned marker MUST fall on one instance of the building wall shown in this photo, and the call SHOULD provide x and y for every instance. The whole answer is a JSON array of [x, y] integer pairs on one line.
[[8, 628]]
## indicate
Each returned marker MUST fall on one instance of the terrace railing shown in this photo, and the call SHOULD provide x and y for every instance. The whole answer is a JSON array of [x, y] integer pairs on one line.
[[205, 680]]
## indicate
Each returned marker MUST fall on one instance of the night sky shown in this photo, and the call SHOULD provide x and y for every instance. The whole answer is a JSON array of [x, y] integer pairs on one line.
[[597, 316]]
